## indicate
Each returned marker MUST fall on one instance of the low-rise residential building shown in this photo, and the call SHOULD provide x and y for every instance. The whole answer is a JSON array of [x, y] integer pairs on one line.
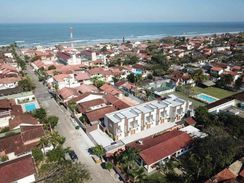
[[216, 71], [65, 80], [20, 141], [132, 120], [156, 150], [9, 82], [20, 170]]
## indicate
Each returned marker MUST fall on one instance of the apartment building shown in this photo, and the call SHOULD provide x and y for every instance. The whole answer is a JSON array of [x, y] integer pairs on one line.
[[132, 120]]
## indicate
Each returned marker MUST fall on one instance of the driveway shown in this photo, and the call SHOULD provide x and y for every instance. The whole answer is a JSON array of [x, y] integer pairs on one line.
[[76, 139]]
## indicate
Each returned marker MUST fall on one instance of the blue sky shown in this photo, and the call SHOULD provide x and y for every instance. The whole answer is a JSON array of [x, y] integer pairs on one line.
[[38, 11]]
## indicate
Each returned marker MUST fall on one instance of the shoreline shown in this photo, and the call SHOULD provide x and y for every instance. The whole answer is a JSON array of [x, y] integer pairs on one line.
[[81, 43]]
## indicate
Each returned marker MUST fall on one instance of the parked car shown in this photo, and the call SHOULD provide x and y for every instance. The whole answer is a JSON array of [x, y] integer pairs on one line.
[[73, 155], [96, 159]]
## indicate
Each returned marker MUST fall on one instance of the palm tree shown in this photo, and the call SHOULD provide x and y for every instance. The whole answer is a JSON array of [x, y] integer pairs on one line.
[[138, 174], [128, 157], [44, 141], [55, 139]]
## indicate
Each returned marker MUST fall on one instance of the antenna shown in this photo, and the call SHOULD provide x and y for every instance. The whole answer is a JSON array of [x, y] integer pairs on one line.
[[71, 37]]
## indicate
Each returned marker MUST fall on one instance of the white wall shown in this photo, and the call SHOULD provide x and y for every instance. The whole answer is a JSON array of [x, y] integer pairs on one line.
[[223, 106], [28, 179]]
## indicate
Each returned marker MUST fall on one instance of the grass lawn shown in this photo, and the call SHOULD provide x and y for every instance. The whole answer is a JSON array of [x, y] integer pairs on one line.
[[156, 177], [213, 91], [195, 103]]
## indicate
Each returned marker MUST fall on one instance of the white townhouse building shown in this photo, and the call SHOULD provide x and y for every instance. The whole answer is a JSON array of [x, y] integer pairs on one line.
[[132, 120]]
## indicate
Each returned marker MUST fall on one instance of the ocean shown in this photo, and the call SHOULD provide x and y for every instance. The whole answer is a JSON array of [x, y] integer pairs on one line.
[[28, 35]]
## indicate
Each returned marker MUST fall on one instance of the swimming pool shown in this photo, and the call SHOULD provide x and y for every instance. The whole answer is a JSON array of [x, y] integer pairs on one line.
[[206, 98], [30, 107]]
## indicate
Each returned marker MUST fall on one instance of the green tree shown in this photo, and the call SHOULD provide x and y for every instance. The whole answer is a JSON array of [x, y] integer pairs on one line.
[[67, 172], [72, 105], [131, 78], [51, 67], [109, 166], [98, 150], [131, 60], [99, 83], [26, 84], [55, 139], [203, 117], [41, 114], [52, 121], [238, 83], [150, 76], [128, 158], [228, 78], [3, 158], [57, 154], [37, 154], [198, 76], [138, 174], [209, 156]]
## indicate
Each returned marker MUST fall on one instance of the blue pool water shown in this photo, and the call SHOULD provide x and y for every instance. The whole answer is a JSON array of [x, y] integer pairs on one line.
[[30, 107], [206, 98]]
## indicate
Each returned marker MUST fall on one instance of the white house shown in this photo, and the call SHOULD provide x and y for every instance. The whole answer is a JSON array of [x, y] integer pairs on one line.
[[65, 80]]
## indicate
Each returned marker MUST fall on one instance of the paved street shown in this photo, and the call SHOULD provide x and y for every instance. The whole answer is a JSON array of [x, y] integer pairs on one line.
[[76, 139]]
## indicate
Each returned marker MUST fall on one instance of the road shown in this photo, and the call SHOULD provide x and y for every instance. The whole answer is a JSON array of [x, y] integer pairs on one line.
[[76, 139]]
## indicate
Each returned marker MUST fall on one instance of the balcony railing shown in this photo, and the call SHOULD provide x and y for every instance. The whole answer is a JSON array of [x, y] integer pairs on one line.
[[133, 126]]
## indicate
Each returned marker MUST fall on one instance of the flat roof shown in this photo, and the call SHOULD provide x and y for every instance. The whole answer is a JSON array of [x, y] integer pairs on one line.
[[144, 108]]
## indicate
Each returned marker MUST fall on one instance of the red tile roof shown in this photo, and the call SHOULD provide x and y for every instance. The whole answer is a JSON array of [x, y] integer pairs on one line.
[[22, 119], [86, 106], [61, 77], [5, 104], [99, 70], [216, 68], [125, 84], [156, 148], [107, 88], [190, 121], [63, 55], [116, 102], [84, 88], [99, 113], [30, 133], [67, 92], [17, 169], [21, 142], [82, 76], [8, 80], [222, 176]]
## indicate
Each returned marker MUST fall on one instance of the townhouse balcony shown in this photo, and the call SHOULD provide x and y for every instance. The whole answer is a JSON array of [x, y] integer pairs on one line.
[[134, 126], [118, 131], [149, 121]]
